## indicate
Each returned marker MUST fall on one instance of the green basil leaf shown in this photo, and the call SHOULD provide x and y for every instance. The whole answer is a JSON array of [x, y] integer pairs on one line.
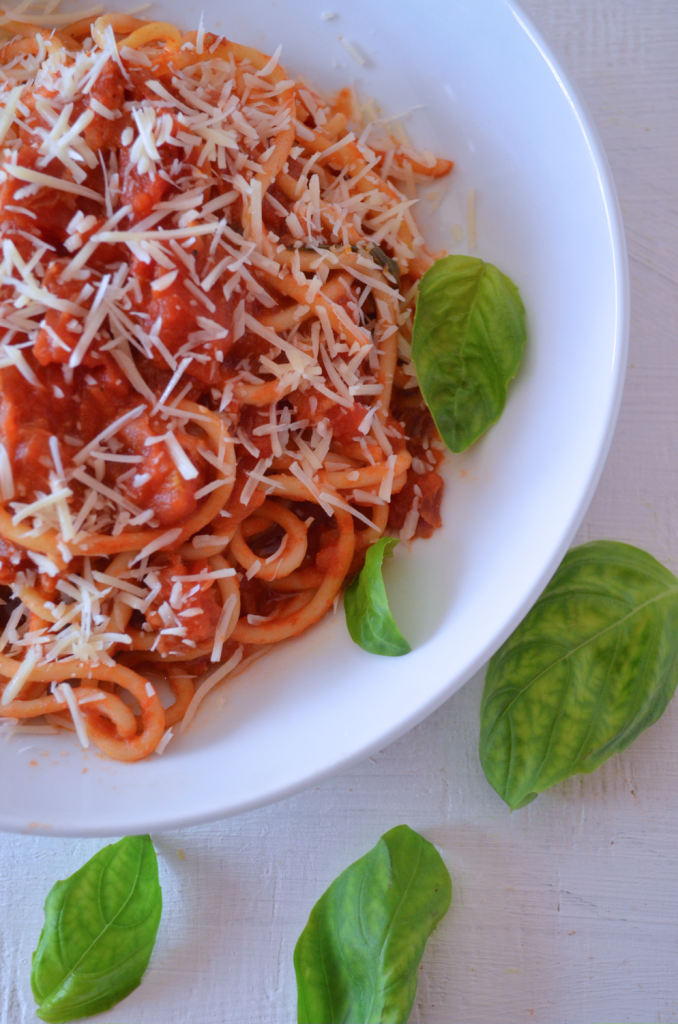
[[467, 342], [593, 664], [368, 615], [356, 960], [99, 932]]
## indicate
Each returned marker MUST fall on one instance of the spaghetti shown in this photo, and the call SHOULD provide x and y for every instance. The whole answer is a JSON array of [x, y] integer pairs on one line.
[[208, 409]]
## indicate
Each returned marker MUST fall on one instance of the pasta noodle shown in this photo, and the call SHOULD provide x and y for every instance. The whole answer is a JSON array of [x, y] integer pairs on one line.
[[208, 409]]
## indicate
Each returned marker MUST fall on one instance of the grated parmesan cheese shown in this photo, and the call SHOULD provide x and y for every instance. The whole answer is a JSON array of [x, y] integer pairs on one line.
[[209, 132]]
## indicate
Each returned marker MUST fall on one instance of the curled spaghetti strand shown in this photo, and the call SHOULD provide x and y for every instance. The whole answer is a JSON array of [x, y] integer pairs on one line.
[[208, 408]]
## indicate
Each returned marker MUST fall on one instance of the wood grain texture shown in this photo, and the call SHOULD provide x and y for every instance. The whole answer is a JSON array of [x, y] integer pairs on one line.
[[564, 912]]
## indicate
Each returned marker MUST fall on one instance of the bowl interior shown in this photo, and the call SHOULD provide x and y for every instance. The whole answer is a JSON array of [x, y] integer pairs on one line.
[[477, 86]]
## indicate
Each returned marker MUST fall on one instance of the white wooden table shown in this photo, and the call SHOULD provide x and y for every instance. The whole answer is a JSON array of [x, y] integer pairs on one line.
[[566, 911]]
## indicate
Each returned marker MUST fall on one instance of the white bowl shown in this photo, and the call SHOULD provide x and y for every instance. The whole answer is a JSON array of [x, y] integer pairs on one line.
[[493, 98]]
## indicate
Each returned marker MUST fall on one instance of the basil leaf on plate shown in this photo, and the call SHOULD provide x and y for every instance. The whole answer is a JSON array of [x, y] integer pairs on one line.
[[99, 932], [368, 615], [467, 342], [356, 960], [593, 664]]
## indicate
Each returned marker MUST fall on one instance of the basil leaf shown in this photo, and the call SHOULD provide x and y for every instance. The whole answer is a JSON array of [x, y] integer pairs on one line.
[[387, 262], [368, 615], [100, 929], [356, 960], [593, 664], [467, 342]]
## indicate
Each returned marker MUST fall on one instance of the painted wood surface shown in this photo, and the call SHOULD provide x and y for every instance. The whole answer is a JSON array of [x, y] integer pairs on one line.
[[566, 911]]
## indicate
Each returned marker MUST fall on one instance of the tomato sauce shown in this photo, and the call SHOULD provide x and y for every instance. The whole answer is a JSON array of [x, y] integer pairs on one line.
[[195, 600], [168, 312], [50, 399]]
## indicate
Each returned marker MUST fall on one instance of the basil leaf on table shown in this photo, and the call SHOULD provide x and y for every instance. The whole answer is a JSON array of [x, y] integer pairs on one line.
[[593, 664], [467, 342], [356, 960], [368, 615], [99, 932]]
